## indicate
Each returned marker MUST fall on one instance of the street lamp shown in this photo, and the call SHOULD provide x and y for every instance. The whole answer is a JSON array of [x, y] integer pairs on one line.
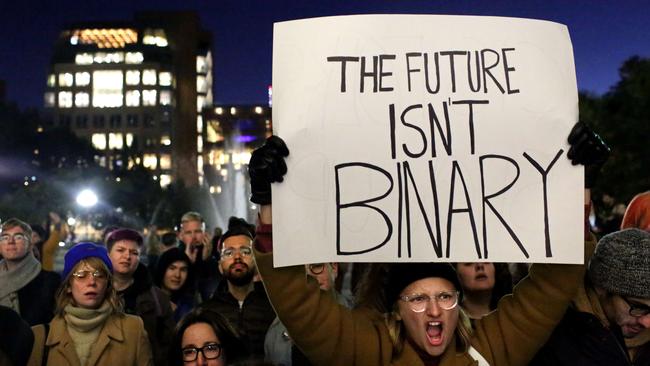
[[86, 198]]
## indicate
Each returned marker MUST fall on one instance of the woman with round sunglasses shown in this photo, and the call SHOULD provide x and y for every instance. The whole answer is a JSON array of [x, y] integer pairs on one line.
[[89, 327], [204, 337], [412, 316]]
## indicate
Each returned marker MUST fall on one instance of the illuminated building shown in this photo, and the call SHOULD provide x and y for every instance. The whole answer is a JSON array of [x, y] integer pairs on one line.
[[227, 137], [135, 90]]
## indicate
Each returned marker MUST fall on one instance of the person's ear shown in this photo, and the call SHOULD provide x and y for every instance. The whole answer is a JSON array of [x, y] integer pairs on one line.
[[335, 269]]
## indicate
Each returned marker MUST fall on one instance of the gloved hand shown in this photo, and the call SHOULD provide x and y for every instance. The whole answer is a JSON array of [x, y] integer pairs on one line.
[[588, 149], [265, 167]]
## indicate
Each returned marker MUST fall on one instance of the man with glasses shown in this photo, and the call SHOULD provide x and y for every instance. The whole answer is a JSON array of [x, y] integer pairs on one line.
[[24, 286], [609, 319], [238, 297]]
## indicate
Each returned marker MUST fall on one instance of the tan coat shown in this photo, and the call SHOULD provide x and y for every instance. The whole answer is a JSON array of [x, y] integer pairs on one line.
[[121, 342], [330, 334]]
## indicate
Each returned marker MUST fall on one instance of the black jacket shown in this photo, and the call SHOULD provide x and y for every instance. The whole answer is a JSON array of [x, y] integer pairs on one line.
[[252, 320], [581, 339], [147, 301], [36, 299]]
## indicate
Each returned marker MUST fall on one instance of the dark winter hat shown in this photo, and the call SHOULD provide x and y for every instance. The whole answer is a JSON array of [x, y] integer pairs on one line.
[[166, 259], [85, 250], [123, 234], [400, 275], [237, 226], [621, 263]]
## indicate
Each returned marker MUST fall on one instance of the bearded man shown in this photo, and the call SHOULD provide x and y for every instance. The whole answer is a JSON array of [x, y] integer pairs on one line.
[[240, 298]]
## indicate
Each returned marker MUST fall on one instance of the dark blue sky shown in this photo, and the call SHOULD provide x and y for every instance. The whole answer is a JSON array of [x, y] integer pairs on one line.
[[604, 34]]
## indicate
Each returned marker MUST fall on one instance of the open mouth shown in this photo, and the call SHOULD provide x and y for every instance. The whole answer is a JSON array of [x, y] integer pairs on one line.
[[434, 333], [481, 277]]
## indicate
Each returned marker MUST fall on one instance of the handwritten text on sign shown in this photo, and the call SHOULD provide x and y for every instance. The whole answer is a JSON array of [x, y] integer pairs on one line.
[[424, 138]]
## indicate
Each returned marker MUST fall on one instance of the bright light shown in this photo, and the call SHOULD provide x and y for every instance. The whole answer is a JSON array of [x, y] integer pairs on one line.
[[71, 221], [86, 198], [61, 244]]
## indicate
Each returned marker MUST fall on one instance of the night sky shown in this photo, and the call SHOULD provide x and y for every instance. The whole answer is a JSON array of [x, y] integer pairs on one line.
[[604, 34]]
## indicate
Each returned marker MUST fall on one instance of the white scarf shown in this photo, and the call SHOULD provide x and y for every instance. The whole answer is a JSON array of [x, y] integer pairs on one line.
[[13, 280]]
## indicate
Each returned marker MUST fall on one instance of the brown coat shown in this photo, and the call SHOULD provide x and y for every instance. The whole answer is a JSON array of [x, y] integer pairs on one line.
[[122, 342], [330, 334]]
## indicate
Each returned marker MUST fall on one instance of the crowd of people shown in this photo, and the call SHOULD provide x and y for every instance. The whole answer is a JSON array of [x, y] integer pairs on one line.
[[187, 298]]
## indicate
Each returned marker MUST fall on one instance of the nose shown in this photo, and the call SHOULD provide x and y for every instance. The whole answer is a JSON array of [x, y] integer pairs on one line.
[[433, 309], [200, 360], [479, 265], [645, 321]]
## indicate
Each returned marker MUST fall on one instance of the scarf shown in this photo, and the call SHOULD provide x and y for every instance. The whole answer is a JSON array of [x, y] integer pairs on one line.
[[84, 326], [13, 280]]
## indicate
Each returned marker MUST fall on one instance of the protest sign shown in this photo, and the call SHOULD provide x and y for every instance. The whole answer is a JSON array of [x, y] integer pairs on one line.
[[425, 138]]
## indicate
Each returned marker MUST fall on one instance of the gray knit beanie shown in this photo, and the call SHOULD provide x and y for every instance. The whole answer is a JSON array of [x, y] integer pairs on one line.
[[621, 263]]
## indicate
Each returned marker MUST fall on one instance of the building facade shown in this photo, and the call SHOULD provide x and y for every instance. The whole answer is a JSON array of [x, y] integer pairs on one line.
[[136, 90]]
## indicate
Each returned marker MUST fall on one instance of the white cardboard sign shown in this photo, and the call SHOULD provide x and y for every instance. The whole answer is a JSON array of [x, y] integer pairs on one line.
[[425, 138]]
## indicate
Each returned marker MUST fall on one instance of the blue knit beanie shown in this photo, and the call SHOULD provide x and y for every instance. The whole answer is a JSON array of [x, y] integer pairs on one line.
[[82, 251]]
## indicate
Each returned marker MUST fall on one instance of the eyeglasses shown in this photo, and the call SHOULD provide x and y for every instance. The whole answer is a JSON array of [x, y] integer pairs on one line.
[[210, 351], [18, 237], [637, 310], [98, 275], [230, 252], [418, 302], [316, 268]]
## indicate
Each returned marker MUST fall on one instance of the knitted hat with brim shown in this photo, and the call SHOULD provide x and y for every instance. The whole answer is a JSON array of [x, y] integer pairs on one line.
[[400, 275], [82, 251], [236, 226], [621, 263]]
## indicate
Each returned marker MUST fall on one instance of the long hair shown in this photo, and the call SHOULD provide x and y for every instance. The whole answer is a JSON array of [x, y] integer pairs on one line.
[[64, 294], [372, 294], [233, 348]]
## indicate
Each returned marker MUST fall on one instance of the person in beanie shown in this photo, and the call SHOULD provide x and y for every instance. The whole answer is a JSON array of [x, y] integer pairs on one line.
[[413, 318], [175, 277], [608, 321], [25, 287], [90, 328], [134, 285], [239, 298]]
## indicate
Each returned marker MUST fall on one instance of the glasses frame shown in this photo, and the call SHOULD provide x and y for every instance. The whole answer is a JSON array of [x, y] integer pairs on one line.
[[407, 300], [4, 238], [237, 250], [321, 267], [200, 349], [645, 310], [83, 274]]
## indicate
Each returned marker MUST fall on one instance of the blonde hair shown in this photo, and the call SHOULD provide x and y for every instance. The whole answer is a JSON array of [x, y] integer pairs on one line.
[[397, 333], [64, 294]]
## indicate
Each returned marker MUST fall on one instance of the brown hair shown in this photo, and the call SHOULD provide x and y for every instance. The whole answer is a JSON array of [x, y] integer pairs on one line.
[[14, 222], [64, 295]]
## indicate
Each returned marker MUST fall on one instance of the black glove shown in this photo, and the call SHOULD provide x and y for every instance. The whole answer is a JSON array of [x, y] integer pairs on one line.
[[588, 149], [265, 167]]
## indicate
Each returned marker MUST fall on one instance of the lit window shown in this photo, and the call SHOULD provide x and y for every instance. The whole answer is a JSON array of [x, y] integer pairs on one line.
[[155, 37], [66, 79], [258, 110], [107, 88], [219, 110], [201, 64], [165, 180], [165, 78], [200, 102], [165, 97], [149, 161], [199, 163], [199, 124], [148, 97], [165, 140], [134, 58], [99, 141], [165, 161], [108, 57], [132, 77], [129, 140], [65, 99], [82, 100], [211, 135], [74, 40], [51, 80], [199, 144], [149, 77], [115, 141], [82, 78], [83, 58], [132, 98], [201, 85], [50, 99], [233, 110]]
